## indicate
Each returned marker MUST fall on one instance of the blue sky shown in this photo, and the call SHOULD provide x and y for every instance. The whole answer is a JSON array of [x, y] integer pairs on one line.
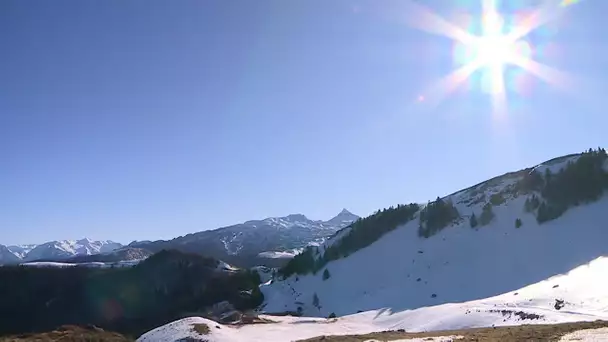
[[151, 119]]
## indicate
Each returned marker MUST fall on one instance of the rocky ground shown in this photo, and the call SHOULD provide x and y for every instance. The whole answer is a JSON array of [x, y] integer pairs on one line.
[[70, 334], [522, 333]]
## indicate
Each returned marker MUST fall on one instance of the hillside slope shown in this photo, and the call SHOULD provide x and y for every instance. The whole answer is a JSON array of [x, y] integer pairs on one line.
[[583, 291], [128, 300], [527, 232]]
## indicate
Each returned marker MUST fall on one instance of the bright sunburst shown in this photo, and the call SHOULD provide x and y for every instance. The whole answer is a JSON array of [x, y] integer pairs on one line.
[[492, 50]]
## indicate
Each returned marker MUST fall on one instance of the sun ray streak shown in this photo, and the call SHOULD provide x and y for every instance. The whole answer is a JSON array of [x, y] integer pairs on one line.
[[544, 72], [490, 52], [422, 18], [539, 17], [439, 90]]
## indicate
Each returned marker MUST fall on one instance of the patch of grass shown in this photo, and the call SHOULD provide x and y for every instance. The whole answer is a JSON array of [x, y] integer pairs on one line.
[[69, 334], [520, 333], [201, 328]]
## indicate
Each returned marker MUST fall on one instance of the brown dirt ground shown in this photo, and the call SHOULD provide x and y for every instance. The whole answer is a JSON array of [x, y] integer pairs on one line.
[[521, 333], [69, 334]]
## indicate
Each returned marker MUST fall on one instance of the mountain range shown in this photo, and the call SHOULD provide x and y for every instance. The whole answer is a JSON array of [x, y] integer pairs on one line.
[[525, 248], [268, 242]]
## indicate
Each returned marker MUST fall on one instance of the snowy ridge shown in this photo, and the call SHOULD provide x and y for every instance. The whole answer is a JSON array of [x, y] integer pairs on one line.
[[63, 249], [404, 271], [52, 264], [244, 244], [7, 256], [281, 255], [510, 270], [21, 251]]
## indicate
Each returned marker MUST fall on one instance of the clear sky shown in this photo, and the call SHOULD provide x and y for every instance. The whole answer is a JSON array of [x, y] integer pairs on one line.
[[151, 119]]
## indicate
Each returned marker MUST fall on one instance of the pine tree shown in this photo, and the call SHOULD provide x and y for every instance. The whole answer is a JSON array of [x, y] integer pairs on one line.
[[326, 274], [518, 223], [315, 301], [473, 221], [486, 214], [548, 175]]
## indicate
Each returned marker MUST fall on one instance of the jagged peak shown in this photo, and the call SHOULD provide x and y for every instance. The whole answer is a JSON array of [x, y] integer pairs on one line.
[[345, 212], [344, 215]]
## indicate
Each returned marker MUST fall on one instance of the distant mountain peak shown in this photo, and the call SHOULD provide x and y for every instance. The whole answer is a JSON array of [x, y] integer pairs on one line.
[[296, 217], [345, 212], [343, 216]]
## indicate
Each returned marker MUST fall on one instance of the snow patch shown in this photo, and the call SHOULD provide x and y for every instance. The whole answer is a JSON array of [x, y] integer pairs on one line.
[[280, 255], [587, 335]]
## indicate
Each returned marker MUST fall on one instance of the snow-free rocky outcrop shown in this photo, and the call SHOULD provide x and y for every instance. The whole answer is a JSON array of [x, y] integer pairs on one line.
[[258, 242]]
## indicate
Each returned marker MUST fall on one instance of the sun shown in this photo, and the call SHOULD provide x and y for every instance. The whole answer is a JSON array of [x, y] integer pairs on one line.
[[491, 51], [496, 55], [492, 47]]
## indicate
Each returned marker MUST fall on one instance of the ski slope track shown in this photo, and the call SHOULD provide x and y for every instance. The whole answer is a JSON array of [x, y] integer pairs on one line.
[[459, 278]]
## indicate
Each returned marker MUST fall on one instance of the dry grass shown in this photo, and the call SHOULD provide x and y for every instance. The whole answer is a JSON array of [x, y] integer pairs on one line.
[[201, 328], [522, 333], [69, 334]]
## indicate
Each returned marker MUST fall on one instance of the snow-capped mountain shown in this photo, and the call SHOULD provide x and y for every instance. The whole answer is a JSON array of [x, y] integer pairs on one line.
[[7, 256], [121, 254], [21, 250], [527, 247], [344, 218], [242, 244], [61, 250]]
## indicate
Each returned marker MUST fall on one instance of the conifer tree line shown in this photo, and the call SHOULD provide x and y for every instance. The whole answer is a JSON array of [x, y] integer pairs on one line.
[[362, 233], [128, 300], [579, 182], [435, 216], [549, 196]]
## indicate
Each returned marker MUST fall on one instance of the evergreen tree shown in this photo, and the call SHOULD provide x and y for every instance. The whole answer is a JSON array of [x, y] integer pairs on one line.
[[473, 221], [527, 205], [497, 199], [486, 214], [326, 274], [436, 216], [315, 301], [518, 223]]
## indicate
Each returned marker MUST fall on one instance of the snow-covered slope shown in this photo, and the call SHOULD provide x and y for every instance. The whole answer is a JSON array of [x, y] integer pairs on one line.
[[21, 250], [402, 270], [59, 250], [7, 256], [582, 290]]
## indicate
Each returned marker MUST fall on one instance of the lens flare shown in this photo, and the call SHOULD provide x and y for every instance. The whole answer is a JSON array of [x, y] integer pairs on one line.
[[500, 45]]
